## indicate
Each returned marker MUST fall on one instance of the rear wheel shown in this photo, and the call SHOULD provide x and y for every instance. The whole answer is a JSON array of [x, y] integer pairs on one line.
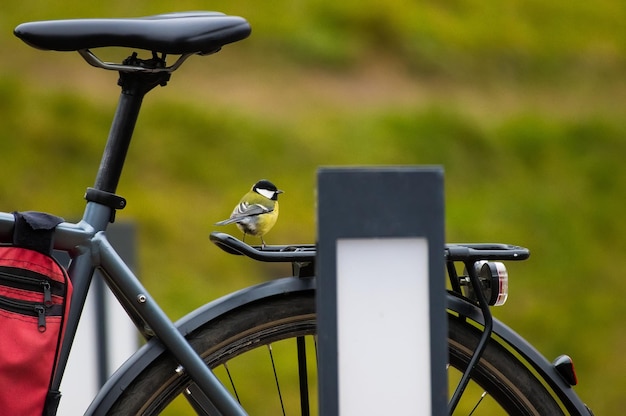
[[265, 353]]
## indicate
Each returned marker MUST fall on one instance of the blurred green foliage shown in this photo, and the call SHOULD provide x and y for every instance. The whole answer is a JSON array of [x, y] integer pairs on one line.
[[523, 103]]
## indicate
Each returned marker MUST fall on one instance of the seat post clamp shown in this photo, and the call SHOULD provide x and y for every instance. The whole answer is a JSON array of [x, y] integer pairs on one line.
[[108, 199]]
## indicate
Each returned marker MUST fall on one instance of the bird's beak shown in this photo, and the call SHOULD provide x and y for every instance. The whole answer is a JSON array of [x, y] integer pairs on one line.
[[280, 191]]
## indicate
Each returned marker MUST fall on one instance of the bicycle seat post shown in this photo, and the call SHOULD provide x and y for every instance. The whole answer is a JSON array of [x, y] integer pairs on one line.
[[135, 85]]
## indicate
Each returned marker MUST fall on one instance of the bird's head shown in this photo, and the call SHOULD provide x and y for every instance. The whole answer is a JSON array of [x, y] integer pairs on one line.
[[267, 189]]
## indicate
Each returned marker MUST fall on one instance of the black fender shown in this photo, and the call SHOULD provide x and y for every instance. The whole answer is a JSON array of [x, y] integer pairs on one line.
[[141, 359], [120, 380]]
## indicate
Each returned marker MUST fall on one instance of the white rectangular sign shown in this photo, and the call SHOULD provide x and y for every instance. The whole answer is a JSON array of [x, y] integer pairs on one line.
[[383, 326]]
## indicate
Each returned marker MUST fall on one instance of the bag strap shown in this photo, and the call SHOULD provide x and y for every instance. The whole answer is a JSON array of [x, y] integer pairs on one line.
[[35, 230]]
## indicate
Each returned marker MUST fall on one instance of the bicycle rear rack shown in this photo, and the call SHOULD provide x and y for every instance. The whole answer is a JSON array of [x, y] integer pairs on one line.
[[307, 252], [302, 256]]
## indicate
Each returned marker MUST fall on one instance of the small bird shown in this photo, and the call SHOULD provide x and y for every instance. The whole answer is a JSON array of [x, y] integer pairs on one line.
[[257, 211]]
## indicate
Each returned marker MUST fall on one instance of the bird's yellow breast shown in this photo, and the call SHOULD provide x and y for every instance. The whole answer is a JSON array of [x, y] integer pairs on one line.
[[266, 221]]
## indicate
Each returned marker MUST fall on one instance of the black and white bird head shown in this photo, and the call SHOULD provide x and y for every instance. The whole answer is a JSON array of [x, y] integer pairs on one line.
[[267, 189]]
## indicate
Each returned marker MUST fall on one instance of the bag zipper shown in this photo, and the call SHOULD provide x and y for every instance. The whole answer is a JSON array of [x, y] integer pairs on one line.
[[38, 284], [36, 309]]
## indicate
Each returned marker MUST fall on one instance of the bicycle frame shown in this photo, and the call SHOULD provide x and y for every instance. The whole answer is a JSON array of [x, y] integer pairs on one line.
[[88, 248]]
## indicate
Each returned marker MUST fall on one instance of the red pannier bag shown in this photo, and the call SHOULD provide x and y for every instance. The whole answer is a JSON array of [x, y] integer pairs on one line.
[[35, 294]]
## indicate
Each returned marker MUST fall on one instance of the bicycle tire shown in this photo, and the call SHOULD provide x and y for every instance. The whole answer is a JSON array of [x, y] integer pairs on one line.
[[500, 373]]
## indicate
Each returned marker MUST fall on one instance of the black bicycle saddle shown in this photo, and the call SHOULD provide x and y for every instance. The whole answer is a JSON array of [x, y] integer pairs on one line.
[[173, 33]]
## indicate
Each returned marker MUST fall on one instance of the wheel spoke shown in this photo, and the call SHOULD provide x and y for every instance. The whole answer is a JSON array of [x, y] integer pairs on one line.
[[482, 396], [303, 377], [280, 396], [232, 384]]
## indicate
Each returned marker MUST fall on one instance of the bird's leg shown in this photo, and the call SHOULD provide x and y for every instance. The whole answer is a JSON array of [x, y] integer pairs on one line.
[[262, 243], [244, 237]]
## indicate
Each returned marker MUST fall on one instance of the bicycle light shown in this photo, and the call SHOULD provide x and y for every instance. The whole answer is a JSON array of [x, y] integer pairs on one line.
[[494, 282]]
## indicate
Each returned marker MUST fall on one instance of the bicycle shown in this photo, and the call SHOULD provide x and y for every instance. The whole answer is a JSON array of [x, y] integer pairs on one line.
[[182, 359]]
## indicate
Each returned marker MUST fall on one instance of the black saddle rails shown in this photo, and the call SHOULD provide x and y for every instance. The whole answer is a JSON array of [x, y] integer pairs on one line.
[[173, 33]]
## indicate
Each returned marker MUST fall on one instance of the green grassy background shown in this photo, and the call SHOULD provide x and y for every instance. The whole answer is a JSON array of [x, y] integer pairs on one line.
[[523, 103]]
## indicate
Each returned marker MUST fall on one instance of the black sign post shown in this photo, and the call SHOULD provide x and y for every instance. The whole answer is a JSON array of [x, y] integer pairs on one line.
[[381, 291]]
